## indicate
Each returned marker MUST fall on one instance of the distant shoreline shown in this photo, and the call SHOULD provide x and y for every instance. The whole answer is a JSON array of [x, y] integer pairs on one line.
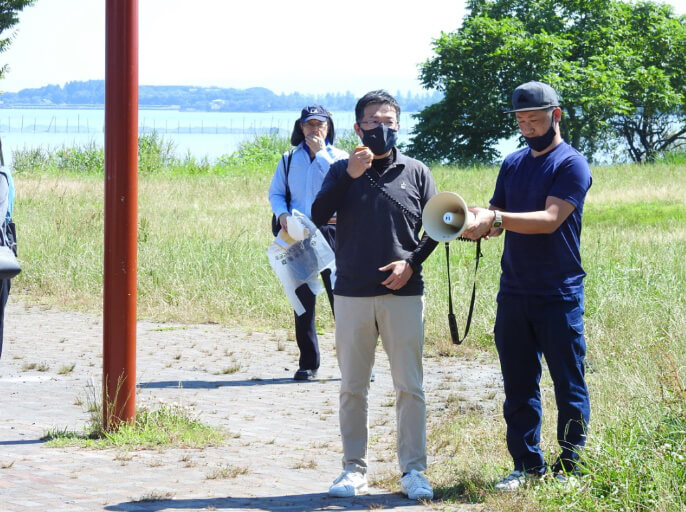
[[33, 106], [175, 108], [90, 95]]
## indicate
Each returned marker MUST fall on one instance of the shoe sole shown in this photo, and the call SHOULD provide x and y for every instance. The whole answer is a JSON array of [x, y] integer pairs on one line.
[[417, 498], [344, 493], [428, 495]]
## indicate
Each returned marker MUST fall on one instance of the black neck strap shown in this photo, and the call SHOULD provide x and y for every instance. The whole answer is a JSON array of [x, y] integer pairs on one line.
[[452, 322]]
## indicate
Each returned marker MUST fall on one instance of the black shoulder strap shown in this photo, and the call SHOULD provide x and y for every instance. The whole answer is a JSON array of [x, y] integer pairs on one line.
[[288, 189], [392, 199]]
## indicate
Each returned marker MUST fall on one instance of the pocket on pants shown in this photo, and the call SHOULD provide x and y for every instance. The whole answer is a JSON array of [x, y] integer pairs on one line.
[[575, 320]]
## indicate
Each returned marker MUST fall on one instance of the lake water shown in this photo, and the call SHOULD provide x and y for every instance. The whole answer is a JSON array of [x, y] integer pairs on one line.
[[202, 134]]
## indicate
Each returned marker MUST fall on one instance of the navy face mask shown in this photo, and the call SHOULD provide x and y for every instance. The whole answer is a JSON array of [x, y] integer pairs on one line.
[[379, 140], [541, 142]]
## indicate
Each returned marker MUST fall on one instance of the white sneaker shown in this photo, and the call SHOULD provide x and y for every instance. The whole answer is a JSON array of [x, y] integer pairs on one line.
[[349, 484], [416, 486], [513, 481]]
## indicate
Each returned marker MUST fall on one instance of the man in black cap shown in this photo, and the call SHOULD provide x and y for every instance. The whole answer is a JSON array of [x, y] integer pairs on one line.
[[296, 182], [539, 198]]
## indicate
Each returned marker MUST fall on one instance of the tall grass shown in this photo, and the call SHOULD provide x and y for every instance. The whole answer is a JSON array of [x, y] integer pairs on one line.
[[202, 242]]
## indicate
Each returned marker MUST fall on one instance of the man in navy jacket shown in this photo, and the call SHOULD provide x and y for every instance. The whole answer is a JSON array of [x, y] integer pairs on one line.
[[379, 194]]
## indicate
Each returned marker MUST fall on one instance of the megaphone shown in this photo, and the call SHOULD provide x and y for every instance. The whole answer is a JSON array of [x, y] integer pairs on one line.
[[446, 216]]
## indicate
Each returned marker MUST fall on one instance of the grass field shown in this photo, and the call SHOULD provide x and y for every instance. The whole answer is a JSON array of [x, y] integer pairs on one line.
[[202, 243]]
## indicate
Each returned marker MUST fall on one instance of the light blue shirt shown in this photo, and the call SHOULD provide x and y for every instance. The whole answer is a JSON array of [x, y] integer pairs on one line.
[[4, 198], [305, 178], [4, 205]]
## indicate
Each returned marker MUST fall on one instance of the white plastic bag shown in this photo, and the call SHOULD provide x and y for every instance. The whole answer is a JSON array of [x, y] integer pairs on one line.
[[296, 229], [301, 262]]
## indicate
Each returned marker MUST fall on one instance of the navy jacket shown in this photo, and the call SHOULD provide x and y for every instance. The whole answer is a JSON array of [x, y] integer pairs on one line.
[[371, 231]]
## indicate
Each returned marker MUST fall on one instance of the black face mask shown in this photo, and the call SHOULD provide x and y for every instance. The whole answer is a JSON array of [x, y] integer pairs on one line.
[[541, 142], [379, 140]]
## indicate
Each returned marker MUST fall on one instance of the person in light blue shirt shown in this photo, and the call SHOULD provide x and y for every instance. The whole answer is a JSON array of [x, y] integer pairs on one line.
[[6, 201], [295, 186]]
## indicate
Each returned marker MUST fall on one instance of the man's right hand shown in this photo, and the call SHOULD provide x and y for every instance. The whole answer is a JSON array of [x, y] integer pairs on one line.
[[359, 162], [315, 143], [282, 221]]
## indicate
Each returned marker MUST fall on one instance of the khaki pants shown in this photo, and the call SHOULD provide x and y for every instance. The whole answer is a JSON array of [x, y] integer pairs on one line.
[[400, 322]]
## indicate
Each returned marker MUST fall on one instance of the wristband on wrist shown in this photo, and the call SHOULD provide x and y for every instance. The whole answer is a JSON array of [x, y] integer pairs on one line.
[[497, 219]]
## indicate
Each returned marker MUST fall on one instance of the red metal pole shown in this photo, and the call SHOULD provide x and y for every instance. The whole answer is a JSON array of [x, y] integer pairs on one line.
[[121, 211]]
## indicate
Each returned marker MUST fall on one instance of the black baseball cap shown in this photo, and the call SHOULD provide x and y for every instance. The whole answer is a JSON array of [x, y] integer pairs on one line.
[[314, 112], [533, 96]]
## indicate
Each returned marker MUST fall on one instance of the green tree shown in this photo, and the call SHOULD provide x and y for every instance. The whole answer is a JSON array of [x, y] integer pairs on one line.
[[9, 16], [655, 83], [590, 51]]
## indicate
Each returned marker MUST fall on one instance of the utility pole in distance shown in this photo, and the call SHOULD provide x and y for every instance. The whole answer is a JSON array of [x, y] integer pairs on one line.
[[121, 212]]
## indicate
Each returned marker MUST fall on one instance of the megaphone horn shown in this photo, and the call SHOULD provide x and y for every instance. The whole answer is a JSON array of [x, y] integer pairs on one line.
[[446, 216]]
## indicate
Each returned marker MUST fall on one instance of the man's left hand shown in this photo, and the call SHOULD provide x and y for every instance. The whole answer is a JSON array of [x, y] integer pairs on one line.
[[401, 271]]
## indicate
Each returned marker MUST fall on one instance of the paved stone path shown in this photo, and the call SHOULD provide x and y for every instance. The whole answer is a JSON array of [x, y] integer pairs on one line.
[[283, 448]]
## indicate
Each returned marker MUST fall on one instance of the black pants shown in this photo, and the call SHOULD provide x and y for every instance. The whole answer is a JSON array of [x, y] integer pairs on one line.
[[305, 331], [4, 294]]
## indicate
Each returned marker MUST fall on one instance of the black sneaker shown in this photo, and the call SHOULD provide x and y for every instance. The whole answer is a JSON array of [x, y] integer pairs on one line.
[[303, 374]]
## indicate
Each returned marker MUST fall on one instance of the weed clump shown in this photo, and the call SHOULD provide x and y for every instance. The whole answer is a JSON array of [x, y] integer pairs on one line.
[[169, 426]]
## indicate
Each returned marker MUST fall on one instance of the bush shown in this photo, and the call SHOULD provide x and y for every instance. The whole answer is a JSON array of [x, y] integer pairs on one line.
[[263, 152], [87, 159], [674, 157], [155, 153], [31, 159], [347, 140]]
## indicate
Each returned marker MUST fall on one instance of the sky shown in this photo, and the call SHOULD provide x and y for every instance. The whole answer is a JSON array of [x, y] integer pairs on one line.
[[285, 46]]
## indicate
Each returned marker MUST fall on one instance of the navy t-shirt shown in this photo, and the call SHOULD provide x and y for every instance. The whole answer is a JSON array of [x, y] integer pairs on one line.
[[543, 265]]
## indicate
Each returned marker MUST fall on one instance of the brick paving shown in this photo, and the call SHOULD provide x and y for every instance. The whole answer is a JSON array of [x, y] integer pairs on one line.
[[283, 448]]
